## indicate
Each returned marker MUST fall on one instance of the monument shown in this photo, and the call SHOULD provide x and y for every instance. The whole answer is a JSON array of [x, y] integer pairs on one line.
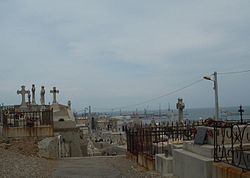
[[42, 96], [33, 90], [69, 104], [54, 91], [29, 96], [23, 92], [180, 106]]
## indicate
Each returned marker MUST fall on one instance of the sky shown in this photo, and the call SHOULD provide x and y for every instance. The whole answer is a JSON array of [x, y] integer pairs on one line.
[[117, 54]]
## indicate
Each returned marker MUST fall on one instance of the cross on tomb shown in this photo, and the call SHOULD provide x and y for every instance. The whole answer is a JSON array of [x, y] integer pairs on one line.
[[23, 92], [54, 91], [241, 113]]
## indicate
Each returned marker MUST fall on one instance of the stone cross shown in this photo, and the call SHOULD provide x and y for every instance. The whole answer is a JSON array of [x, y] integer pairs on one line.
[[33, 90], [23, 92], [42, 96], [54, 91], [241, 113], [180, 106]]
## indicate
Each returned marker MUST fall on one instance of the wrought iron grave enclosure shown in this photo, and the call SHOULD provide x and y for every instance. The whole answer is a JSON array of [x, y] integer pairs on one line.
[[232, 143], [150, 140], [12, 118]]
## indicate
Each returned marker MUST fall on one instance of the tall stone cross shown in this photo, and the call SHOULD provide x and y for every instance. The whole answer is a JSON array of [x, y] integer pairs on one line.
[[54, 91], [23, 92], [241, 110]]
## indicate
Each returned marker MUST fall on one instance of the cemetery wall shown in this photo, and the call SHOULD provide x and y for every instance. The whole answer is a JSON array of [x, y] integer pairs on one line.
[[45, 131]]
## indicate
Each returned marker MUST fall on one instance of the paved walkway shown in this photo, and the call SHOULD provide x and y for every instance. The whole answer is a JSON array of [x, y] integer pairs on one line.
[[100, 167]]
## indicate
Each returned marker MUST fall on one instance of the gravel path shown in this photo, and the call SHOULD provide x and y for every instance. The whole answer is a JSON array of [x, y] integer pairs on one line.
[[19, 159], [101, 167]]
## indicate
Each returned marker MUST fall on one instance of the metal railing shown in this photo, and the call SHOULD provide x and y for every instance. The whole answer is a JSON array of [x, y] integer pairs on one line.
[[152, 139], [12, 118], [232, 143]]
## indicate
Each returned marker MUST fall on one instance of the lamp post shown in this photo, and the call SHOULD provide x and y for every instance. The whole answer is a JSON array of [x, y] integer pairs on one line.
[[215, 94]]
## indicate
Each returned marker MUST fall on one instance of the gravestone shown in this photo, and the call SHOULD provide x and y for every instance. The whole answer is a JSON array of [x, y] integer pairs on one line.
[[200, 137]]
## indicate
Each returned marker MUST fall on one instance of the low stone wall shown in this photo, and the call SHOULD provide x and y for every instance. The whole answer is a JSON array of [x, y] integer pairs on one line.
[[191, 165], [73, 142], [49, 148], [43, 131], [146, 161], [221, 170], [132, 157], [164, 164]]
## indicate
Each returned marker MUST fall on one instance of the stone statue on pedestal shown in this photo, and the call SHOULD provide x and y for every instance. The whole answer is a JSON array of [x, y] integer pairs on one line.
[[33, 90], [180, 106], [69, 104], [42, 96]]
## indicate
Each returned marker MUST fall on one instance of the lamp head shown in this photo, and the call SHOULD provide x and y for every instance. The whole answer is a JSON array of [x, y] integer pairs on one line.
[[207, 78]]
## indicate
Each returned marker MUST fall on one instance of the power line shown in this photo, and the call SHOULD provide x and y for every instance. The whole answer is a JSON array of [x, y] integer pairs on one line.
[[173, 92], [234, 72], [164, 95]]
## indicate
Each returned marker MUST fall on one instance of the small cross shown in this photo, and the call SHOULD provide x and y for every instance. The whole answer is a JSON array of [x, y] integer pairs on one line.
[[23, 92], [54, 91], [241, 113]]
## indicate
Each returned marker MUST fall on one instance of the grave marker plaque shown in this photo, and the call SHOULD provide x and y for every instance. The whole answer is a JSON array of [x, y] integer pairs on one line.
[[200, 137]]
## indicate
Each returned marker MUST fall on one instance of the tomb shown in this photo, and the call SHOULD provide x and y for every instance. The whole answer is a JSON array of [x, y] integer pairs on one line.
[[196, 158]]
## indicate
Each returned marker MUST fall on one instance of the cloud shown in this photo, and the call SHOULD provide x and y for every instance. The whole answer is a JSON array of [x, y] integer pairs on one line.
[[121, 51]]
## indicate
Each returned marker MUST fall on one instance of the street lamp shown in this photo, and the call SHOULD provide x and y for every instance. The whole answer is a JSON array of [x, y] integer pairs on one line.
[[214, 79]]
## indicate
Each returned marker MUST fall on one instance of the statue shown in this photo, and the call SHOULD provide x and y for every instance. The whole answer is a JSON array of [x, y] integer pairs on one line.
[[29, 97], [180, 106], [33, 90], [42, 96], [69, 104]]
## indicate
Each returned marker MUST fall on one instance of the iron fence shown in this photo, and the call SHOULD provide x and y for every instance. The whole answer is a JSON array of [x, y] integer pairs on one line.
[[152, 139], [232, 143], [13, 118]]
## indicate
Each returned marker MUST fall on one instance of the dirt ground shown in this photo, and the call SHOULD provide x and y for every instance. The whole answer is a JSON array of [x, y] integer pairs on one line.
[[19, 159]]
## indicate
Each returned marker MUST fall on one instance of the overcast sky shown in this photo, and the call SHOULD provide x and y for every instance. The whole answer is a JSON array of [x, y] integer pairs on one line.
[[114, 53]]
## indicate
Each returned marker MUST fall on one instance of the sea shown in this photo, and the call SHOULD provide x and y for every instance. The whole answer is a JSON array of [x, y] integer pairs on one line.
[[226, 113]]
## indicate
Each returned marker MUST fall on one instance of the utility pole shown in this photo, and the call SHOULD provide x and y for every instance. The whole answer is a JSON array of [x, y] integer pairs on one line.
[[215, 94]]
